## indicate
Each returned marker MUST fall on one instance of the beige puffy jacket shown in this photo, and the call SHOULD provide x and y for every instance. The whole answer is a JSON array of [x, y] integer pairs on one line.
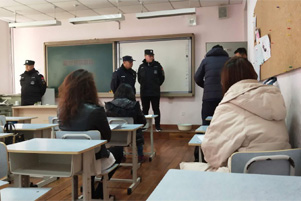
[[249, 118]]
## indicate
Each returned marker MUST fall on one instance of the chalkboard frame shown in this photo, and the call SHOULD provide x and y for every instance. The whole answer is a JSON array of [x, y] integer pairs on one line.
[[114, 41], [78, 43]]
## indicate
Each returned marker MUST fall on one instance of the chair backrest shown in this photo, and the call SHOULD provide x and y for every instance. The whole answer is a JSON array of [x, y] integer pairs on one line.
[[120, 138], [88, 135], [120, 120], [272, 164], [4, 167], [53, 120], [238, 160], [2, 120]]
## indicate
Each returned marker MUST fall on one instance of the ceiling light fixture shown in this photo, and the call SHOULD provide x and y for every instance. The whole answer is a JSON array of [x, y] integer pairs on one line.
[[34, 24], [98, 18], [166, 13]]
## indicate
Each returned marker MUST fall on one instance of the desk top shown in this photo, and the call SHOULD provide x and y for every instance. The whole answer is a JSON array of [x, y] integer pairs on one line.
[[19, 118], [128, 127], [201, 129], [209, 118], [36, 107], [3, 183], [197, 185], [4, 135], [17, 194], [149, 116], [54, 146], [33, 127], [196, 140]]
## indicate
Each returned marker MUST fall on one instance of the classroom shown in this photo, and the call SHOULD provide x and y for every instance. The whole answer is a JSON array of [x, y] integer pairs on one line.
[[202, 27]]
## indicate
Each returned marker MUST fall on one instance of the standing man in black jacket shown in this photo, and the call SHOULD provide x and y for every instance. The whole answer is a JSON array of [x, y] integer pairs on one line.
[[33, 85], [208, 76], [151, 77], [124, 74]]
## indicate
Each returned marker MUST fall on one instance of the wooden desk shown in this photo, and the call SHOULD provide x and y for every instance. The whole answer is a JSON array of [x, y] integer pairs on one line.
[[40, 111], [149, 118], [17, 194], [36, 130], [202, 186], [3, 184], [54, 157], [20, 119], [196, 141], [4, 135], [129, 130], [201, 129]]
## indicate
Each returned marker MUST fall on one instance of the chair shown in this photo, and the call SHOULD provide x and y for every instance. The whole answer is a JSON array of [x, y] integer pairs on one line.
[[89, 135], [2, 120], [119, 138], [279, 162], [4, 168], [53, 120]]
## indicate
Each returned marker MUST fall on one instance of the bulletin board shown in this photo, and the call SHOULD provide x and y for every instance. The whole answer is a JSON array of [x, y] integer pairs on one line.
[[280, 20]]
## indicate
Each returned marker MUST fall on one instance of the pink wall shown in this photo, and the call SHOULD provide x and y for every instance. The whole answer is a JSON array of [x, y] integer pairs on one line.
[[29, 44], [6, 81]]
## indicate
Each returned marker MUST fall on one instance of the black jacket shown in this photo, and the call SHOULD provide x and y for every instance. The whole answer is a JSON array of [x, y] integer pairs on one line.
[[123, 107], [123, 75], [90, 117], [33, 87], [208, 75], [151, 77]]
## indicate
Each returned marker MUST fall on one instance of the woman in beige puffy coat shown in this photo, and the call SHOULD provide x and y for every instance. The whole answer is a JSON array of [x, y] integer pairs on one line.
[[250, 117]]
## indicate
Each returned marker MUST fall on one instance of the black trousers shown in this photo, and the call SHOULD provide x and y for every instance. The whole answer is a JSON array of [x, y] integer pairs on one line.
[[155, 101], [208, 108]]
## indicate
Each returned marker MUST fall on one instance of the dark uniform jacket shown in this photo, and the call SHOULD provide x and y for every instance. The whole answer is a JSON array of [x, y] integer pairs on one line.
[[208, 75], [123, 75], [123, 107], [33, 87], [90, 117], [151, 77]]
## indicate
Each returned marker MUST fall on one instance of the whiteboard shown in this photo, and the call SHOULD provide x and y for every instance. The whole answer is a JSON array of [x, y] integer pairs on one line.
[[174, 55]]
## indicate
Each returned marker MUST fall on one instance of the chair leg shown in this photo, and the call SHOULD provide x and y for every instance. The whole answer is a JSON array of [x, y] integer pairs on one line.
[[75, 187], [105, 180]]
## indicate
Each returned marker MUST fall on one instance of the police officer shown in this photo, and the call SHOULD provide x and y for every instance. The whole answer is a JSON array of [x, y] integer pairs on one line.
[[124, 74], [151, 77], [33, 85]]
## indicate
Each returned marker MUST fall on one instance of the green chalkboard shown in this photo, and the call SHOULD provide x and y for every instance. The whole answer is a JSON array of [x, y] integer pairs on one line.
[[96, 58]]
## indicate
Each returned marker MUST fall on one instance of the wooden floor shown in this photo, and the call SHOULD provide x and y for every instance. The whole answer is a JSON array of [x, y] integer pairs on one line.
[[170, 151]]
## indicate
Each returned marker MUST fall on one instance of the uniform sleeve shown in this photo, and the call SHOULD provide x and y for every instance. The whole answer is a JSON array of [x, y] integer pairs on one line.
[[139, 75], [114, 82], [224, 136], [100, 121], [199, 75], [162, 76], [42, 84]]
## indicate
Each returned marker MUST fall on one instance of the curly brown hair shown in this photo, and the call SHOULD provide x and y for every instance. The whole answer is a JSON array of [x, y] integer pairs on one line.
[[235, 70], [78, 88]]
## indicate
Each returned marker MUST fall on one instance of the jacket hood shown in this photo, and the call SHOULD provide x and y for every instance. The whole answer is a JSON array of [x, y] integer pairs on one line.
[[265, 101], [123, 103], [217, 52]]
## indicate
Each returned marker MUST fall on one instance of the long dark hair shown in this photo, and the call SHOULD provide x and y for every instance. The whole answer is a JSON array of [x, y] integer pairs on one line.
[[235, 70], [78, 88], [125, 91]]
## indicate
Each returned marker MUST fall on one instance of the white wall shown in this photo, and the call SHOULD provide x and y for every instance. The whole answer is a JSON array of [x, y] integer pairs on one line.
[[29, 44], [6, 76], [289, 85]]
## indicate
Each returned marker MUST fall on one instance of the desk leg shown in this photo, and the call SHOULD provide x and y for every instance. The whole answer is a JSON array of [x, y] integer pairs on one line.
[[136, 180], [86, 175], [151, 133], [21, 180], [200, 154], [74, 187]]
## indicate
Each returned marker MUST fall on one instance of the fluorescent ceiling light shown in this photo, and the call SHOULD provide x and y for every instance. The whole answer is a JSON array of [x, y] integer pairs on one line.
[[98, 18], [35, 24], [166, 13]]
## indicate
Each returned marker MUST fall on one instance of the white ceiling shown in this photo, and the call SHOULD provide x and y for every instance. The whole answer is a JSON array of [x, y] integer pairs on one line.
[[37, 10]]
